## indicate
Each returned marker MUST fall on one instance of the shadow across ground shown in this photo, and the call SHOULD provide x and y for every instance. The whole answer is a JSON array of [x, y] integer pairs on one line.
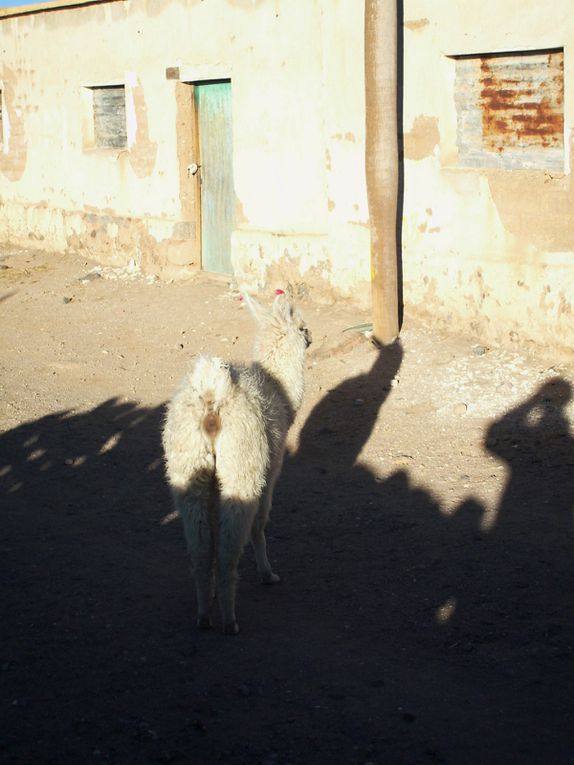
[[399, 633]]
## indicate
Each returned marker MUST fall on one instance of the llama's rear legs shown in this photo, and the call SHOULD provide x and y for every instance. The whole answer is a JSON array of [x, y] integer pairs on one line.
[[234, 524], [198, 529], [205, 591], [202, 566]]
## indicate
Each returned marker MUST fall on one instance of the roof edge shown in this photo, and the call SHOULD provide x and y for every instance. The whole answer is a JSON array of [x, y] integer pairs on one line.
[[48, 5]]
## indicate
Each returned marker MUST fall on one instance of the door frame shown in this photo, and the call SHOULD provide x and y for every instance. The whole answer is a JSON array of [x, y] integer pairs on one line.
[[225, 206], [187, 140]]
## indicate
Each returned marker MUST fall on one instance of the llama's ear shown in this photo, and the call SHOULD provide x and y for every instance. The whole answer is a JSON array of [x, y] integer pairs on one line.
[[257, 311], [282, 307]]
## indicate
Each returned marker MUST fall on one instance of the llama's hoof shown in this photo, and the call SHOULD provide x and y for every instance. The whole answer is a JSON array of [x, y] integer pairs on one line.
[[232, 628], [204, 622], [270, 578]]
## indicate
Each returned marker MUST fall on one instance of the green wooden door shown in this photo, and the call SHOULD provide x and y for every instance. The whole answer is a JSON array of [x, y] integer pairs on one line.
[[213, 108]]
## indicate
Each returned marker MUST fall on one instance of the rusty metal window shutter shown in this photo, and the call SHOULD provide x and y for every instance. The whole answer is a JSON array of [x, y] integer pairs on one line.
[[110, 116], [510, 110]]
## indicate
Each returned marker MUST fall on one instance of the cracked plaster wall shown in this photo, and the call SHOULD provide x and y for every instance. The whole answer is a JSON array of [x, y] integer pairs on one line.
[[487, 249], [490, 250], [297, 134]]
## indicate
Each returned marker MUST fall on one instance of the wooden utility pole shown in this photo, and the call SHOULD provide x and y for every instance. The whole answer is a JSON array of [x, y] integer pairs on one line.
[[382, 162]]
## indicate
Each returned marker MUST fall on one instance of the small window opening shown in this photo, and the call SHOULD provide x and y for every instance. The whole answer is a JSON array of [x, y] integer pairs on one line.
[[109, 109]]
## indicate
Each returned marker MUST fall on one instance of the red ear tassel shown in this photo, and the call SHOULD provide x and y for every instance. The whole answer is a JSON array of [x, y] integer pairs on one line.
[[277, 292]]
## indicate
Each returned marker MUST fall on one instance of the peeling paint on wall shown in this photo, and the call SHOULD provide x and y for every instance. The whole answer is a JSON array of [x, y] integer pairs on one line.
[[14, 151], [422, 138], [246, 5], [416, 24], [261, 258], [537, 209], [156, 246], [143, 151]]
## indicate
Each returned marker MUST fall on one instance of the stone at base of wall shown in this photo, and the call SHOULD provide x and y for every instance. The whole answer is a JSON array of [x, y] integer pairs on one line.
[[327, 268], [153, 243], [330, 266], [509, 294], [552, 352]]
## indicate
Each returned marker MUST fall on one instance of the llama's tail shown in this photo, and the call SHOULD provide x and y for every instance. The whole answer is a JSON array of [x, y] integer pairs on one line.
[[216, 427], [195, 422], [211, 381]]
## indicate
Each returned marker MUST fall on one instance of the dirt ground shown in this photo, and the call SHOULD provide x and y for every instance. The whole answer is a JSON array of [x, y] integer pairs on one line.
[[423, 528]]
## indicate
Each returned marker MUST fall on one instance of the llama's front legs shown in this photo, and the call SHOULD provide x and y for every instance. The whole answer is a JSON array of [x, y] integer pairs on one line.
[[234, 525], [259, 541]]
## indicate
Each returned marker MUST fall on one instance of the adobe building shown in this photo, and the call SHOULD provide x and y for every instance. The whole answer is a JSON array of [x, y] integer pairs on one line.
[[229, 135]]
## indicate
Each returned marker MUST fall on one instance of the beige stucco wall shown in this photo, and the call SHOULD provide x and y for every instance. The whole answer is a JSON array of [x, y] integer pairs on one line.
[[491, 250], [297, 134], [486, 251]]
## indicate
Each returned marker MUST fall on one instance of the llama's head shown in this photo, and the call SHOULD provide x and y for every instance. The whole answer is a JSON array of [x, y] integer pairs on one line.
[[282, 329], [287, 320]]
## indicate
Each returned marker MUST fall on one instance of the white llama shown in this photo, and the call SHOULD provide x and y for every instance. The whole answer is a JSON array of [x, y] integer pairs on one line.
[[224, 439]]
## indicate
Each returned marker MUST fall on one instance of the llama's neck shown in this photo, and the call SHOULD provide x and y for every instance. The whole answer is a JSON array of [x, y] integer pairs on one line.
[[285, 366]]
